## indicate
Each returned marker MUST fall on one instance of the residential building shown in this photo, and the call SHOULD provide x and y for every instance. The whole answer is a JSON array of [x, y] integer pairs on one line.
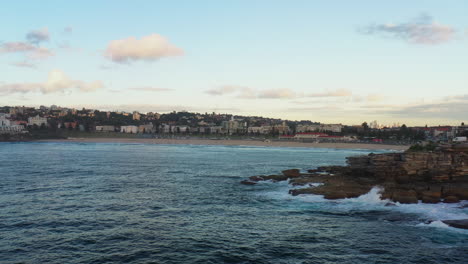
[[148, 128], [105, 128], [37, 120], [129, 129], [136, 115]]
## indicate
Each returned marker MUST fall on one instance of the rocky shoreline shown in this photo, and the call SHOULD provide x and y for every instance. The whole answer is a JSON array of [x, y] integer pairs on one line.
[[407, 177]]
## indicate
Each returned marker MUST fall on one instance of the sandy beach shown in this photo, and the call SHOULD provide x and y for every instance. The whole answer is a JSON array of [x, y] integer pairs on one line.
[[233, 142]]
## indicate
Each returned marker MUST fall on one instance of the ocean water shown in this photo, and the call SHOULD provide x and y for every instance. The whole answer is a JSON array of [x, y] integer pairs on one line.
[[138, 203]]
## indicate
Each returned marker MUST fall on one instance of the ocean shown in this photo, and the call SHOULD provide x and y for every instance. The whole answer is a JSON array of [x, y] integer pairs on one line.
[[143, 203]]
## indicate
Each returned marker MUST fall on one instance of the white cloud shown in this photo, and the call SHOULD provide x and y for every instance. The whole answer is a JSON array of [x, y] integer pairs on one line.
[[422, 30], [38, 36], [277, 94], [57, 81], [68, 30], [148, 48], [334, 93], [31, 51], [250, 93], [150, 89]]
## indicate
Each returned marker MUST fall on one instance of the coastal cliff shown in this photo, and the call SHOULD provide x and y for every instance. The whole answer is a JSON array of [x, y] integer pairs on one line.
[[431, 177]]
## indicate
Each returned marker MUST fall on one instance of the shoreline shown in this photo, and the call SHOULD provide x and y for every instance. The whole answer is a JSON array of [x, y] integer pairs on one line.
[[232, 142]]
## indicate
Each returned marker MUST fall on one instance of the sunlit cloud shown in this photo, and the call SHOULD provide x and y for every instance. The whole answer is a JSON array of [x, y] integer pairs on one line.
[[31, 51], [244, 92], [148, 48], [150, 89], [334, 93], [422, 30], [57, 81]]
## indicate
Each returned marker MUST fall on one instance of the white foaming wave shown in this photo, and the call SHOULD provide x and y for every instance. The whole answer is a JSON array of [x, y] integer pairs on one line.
[[372, 201], [442, 225], [439, 211]]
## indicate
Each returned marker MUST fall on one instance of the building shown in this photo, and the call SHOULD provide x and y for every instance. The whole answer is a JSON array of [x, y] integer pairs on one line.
[[136, 115], [7, 126], [233, 126], [129, 129], [37, 120], [281, 129], [70, 125], [148, 128], [307, 128], [105, 128], [335, 128]]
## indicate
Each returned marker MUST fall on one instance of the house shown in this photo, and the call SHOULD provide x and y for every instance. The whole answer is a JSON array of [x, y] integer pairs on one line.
[[281, 129], [105, 128], [37, 120], [7, 126], [136, 115], [129, 129], [336, 128], [148, 128], [70, 125]]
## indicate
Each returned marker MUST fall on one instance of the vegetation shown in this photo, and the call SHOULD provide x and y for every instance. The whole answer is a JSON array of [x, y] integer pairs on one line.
[[431, 146]]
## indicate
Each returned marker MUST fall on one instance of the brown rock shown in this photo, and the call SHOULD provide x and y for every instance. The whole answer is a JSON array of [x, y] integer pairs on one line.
[[463, 223], [458, 190], [429, 199], [275, 177], [451, 199], [405, 196], [247, 182], [292, 173], [296, 192], [257, 178], [431, 196]]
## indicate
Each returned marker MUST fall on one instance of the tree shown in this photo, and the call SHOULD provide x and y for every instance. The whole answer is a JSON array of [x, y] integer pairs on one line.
[[365, 126]]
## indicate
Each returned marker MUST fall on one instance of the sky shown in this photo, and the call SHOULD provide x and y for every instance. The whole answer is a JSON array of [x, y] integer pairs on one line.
[[327, 61]]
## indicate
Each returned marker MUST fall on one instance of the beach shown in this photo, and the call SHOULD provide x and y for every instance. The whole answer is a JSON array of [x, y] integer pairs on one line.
[[234, 142]]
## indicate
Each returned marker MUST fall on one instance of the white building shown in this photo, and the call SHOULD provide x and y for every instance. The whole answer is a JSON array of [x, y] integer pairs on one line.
[[307, 128], [331, 128], [37, 120], [6, 126], [129, 129], [105, 128], [148, 128]]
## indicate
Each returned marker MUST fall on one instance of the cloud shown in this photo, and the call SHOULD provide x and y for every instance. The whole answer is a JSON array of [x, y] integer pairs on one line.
[[38, 36], [244, 92], [449, 108], [226, 89], [57, 81], [422, 30], [150, 89], [335, 93], [68, 30], [277, 94], [148, 48], [23, 64], [31, 51]]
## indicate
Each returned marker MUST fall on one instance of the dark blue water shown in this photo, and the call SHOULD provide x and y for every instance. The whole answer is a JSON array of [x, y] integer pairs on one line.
[[137, 203]]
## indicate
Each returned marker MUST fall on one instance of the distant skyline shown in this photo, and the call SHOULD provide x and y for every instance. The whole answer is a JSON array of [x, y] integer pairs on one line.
[[328, 61]]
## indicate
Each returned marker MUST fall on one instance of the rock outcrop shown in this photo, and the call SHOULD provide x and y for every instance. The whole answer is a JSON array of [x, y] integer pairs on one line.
[[431, 177]]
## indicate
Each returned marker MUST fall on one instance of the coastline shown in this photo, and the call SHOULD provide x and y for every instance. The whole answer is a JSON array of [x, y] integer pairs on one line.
[[233, 142]]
